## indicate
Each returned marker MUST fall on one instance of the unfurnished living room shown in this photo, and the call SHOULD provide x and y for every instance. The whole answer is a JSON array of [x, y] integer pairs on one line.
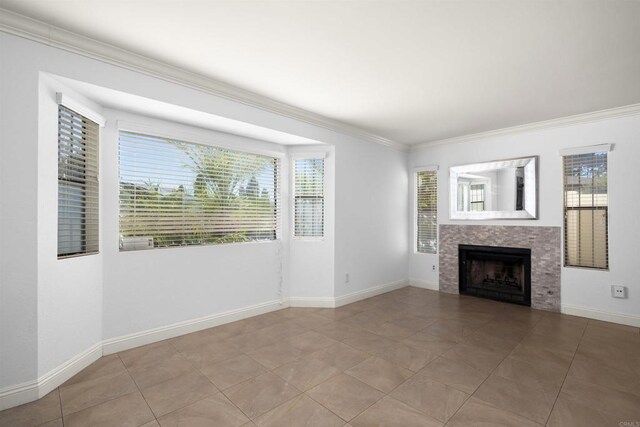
[[319, 213]]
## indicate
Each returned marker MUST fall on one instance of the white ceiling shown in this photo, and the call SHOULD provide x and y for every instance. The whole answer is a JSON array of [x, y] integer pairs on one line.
[[409, 71]]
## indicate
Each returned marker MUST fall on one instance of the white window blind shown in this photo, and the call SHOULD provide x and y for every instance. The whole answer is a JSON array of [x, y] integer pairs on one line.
[[427, 211], [586, 210], [77, 184], [309, 197], [175, 193]]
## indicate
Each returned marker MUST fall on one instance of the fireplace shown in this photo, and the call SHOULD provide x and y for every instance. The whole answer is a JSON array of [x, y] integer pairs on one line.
[[498, 273]]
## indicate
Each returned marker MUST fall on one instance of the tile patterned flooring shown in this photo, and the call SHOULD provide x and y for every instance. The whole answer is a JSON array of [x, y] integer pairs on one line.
[[410, 357]]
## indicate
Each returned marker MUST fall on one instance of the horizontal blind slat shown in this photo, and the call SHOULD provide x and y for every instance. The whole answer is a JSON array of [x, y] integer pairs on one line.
[[586, 210], [181, 193], [427, 211], [78, 210], [308, 197]]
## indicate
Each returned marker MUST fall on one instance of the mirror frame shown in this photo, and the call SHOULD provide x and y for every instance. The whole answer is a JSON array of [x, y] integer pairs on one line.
[[530, 210]]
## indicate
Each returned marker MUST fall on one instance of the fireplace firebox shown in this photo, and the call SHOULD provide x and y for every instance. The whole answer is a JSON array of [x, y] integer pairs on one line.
[[498, 273]]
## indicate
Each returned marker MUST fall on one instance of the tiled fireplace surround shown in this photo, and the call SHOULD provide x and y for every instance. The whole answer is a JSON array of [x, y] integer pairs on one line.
[[545, 245]]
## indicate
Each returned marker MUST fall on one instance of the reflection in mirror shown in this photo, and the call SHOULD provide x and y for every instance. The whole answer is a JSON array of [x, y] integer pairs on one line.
[[502, 189]]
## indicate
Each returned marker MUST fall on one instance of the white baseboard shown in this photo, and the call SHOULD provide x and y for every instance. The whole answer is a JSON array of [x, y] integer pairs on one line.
[[32, 390], [316, 302], [368, 293], [424, 284], [126, 342], [327, 302], [18, 394], [27, 392], [623, 319]]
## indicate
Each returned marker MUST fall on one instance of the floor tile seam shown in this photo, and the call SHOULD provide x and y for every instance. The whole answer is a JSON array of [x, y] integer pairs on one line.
[[493, 371], [573, 356], [566, 371], [355, 349], [605, 411], [359, 413], [491, 405], [469, 366], [60, 406], [229, 398], [468, 396], [269, 410], [476, 390], [304, 391], [413, 374], [152, 362], [197, 368], [63, 386], [481, 349], [106, 401], [198, 401], [138, 388], [159, 382]]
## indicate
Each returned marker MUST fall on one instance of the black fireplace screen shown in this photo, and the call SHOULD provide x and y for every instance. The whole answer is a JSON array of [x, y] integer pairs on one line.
[[498, 273]]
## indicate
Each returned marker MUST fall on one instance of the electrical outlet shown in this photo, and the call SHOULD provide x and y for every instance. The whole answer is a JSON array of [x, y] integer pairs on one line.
[[433, 267], [346, 278], [618, 291]]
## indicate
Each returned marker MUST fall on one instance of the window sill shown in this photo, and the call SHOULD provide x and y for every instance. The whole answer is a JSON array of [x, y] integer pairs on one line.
[[61, 257]]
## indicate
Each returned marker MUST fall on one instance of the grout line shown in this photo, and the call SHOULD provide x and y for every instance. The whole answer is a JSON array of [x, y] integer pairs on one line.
[[138, 388], [60, 403], [104, 401], [567, 374], [208, 379], [378, 303], [483, 381]]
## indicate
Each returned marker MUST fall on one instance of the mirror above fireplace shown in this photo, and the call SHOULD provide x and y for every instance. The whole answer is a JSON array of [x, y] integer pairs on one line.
[[504, 189]]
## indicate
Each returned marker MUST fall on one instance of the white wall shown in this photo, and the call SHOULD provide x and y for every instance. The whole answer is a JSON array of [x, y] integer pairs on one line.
[[18, 228], [582, 289], [69, 290], [311, 261], [149, 289], [51, 309], [371, 217]]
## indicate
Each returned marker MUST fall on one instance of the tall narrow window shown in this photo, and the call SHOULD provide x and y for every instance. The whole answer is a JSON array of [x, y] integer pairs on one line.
[[585, 210], [175, 193], [427, 211], [308, 197], [77, 184]]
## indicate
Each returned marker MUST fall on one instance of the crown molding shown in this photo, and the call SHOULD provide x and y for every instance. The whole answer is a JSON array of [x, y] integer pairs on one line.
[[32, 29], [610, 113]]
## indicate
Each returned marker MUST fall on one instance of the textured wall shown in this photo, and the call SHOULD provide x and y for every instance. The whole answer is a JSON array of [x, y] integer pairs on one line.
[[545, 245]]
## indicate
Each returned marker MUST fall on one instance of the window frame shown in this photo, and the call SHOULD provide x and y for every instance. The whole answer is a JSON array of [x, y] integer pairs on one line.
[[416, 171], [292, 164], [569, 152], [211, 138], [88, 185]]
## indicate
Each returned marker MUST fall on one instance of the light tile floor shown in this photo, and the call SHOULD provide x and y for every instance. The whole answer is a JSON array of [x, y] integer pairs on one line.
[[411, 357]]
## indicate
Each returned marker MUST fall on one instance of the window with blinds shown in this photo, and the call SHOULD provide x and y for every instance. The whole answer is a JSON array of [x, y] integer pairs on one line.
[[585, 210], [78, 226], [427, 211], [308, 197], [176, 193]]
